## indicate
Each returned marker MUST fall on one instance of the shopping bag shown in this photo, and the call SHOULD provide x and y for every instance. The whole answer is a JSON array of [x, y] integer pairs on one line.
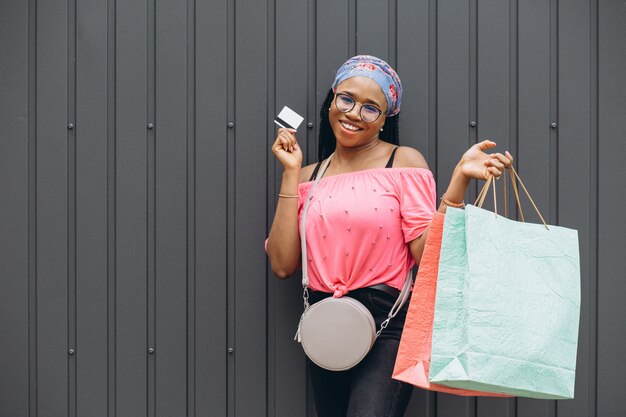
[[413, 359], [507, 306]]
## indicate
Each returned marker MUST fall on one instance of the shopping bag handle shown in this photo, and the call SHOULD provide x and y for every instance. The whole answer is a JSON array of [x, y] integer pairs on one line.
[[516, 175], [483, 193], [514, 178]]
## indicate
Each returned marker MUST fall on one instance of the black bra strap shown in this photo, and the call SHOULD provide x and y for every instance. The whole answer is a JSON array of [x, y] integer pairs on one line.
[[389, 164], [317, 168], [393, 154]]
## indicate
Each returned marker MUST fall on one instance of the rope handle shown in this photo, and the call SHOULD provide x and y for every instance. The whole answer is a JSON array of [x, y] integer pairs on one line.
[[529, 197], [480, 199]]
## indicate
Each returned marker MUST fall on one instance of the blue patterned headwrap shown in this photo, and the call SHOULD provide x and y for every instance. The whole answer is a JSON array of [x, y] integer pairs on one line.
[[379, 71]]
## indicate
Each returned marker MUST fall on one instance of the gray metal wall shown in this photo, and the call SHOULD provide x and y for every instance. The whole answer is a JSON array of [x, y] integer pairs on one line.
[[133, 213]]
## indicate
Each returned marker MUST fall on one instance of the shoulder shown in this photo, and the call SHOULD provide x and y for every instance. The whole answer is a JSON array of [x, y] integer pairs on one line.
[[305, 173], [407, 157]]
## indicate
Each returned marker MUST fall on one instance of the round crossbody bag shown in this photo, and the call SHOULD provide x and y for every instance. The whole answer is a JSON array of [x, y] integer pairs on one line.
[[337, 333]]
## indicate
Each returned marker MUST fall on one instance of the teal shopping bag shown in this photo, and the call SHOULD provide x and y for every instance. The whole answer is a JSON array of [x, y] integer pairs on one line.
[[507, 306]]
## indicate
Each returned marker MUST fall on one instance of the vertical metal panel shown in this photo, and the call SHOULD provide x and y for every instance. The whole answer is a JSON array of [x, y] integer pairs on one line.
[[131, 212], [32, 207], [513, 103], [611, 226], [190, 391], [372, 29], [14, 120], [493, 104], [473, 83], [415, 68], [151, 191], [91, 208], [250, 169], [452, 86], [171, 141], [52, 210], [211, 209], [331, 30], [231, 58], [313, 111], [576, 192], [71, 205], [286, 360], [111, 212], [493, 72], [533, 153]]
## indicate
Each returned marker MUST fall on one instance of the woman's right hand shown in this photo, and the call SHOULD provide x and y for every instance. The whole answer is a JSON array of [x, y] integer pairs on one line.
[[287, 150]]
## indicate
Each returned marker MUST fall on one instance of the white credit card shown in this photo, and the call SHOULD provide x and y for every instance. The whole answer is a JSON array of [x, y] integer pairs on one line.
[[288, 119]]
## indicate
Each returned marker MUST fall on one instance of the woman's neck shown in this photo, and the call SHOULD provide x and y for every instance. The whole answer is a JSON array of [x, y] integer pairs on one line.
[[356, 158], [354, 154]]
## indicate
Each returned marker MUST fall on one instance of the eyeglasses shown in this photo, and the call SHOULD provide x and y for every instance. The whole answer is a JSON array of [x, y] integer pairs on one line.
[[368, 112]]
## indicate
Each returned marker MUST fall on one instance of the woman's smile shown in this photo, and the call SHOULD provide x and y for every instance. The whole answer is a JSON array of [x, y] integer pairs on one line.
[[349, 126]]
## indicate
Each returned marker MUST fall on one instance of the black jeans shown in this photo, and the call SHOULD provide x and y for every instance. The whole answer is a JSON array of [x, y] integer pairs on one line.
[[366, 390]]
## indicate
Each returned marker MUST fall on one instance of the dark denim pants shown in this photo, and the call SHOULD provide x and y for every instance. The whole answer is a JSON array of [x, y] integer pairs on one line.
[[366, 390]]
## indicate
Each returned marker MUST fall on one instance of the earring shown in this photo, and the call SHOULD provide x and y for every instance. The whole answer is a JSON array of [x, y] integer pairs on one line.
[[381, 129]]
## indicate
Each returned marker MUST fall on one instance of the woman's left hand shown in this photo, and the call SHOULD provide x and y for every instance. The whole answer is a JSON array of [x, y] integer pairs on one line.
[[476, 164]]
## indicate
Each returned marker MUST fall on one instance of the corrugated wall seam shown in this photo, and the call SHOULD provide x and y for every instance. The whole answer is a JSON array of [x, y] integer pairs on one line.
[[594, 202], [151, 186], [71, 207], [191, 275], [32, 210], [111, 211]]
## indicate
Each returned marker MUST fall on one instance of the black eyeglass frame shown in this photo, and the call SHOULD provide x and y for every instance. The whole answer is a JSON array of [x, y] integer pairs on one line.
[[354, 102]]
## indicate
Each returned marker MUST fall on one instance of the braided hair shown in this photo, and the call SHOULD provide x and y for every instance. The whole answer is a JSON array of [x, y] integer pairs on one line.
[[327, 141]]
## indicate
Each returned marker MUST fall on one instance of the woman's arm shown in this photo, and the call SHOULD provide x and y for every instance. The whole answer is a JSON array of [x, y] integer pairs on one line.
[[283, 245], [475, 164]]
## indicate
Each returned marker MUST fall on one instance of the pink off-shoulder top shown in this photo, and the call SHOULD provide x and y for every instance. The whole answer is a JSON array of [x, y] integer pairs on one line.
[[359, 225]]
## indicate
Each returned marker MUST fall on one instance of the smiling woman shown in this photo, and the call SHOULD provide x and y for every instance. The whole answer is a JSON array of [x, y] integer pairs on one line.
[[347, 113], [367, 216]]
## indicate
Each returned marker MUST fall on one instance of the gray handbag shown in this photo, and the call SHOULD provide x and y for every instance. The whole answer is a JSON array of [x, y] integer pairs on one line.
[[337, 333]]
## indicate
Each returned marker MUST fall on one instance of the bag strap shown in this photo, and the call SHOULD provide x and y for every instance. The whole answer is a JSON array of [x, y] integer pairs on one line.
[[529, 197], [406, 289], [305, 266], [404, 295], [519, 206]]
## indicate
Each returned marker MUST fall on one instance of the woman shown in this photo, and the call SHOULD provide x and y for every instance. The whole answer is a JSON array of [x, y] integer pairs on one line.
[[367, 222]]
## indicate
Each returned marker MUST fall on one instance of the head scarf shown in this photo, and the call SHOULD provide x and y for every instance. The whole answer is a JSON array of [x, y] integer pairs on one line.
[[379, 71]]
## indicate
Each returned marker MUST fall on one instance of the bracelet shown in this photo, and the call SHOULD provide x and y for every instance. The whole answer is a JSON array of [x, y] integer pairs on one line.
[[287, 195], [449, 203]]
